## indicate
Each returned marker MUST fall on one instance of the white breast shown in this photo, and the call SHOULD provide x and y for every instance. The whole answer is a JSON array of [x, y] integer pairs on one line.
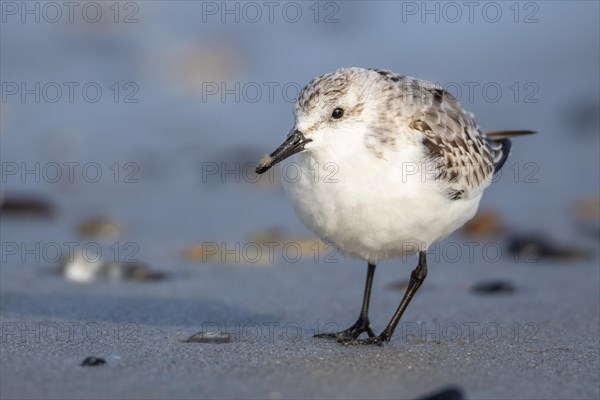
[[371, 207]]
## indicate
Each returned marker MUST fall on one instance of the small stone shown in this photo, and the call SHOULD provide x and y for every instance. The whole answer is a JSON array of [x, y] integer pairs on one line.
[[448, 393], [494, 287], [262, 241], [533, 248], [210, 337], [587, 209], [486, 223], [87, 269], [587, 215], [93, 362], [25, 206], [196, 253], [98, 226], [91, 268], [141, 272]]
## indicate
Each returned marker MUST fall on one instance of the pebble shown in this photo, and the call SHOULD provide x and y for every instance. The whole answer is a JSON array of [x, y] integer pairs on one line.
[[587, 209], [448, 393], [486, 223], [93, 362], [217, 252], [98, 226], [210, 337], [141, 272], [493, 287], [586, 212], [90, 269], [263, 249], [25, 206], [535, 247]]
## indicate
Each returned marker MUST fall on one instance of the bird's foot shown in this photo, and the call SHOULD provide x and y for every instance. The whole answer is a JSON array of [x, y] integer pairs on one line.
[[352, 333]]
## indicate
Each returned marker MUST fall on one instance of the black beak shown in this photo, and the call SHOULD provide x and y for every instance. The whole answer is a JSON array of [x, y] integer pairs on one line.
[[293, 144]]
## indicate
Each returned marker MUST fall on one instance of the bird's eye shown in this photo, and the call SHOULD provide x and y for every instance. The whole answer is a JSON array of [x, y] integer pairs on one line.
[[337, 113]]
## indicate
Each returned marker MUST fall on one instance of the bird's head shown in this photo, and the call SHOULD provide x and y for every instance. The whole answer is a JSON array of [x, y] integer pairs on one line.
[[333, 110]]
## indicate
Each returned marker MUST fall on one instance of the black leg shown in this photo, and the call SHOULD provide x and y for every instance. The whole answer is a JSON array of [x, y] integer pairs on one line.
[[362, 325], [416, 279]]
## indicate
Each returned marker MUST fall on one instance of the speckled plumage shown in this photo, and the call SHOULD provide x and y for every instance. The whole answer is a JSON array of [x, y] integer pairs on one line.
[[465, 159]]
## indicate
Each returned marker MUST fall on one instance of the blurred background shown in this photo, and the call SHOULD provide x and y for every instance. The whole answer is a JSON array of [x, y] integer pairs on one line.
[[129, 133]]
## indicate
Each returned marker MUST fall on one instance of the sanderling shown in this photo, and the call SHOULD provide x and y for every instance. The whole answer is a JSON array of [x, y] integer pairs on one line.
[[410, 168]]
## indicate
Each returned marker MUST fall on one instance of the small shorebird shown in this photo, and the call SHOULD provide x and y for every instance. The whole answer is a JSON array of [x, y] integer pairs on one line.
[[388, 165]]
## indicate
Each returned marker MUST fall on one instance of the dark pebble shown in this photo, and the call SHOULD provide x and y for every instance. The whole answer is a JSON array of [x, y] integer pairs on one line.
[[533, 248], [494, 287], [141, 272], [449, 393], [25, 206], [93, 362], [210, 337]]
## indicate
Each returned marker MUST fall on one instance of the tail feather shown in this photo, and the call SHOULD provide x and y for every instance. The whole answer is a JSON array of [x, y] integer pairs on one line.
[[497, 135], [500, 144]]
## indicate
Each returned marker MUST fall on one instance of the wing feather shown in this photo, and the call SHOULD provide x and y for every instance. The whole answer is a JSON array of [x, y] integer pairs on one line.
[[463, 157]]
